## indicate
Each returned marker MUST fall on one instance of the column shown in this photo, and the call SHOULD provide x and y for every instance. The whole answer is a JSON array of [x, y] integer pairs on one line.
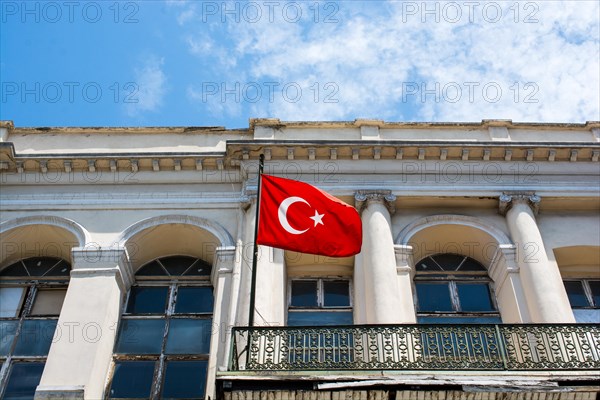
[[376, 264], [80, 356], [405, 272], [221, 277], [543, 288]]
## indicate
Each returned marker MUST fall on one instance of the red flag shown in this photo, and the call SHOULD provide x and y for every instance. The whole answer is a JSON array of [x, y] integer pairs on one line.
[[297, 216]]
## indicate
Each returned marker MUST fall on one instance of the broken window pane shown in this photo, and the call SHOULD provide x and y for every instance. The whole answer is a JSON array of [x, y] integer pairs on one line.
[[48, 301]]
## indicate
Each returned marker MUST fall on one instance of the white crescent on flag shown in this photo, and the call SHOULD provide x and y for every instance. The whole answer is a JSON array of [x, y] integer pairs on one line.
[[282, 213]]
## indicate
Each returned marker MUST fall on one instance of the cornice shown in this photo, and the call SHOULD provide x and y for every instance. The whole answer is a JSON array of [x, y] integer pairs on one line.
[[278, 124], [373, 146]]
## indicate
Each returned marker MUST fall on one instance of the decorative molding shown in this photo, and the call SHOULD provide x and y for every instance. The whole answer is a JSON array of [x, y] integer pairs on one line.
[[507, 199], [73, 227], [363, 197], [212, 227]]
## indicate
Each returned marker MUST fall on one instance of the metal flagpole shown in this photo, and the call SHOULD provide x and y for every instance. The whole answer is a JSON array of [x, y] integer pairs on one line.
[[261, 166]]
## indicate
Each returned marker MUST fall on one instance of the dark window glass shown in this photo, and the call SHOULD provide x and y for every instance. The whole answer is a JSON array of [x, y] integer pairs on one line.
[[194, 300], [448, 262], [474, 297], [427, 264], [595, 287], [141, 336], [185, 380], [177, 265], [147, 300], [337, 294], [152, 269], [7, 335], [471, 265], [60, 269], [38, 266], [23, 379], [576, 294], [304, 294], [199, 268], [16, 269], [189, 336], [35, 337], [433, 297], [316, 318], [132, 379]]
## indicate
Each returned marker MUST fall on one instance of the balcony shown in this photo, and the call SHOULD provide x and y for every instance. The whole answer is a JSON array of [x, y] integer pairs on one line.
[[472, 347]]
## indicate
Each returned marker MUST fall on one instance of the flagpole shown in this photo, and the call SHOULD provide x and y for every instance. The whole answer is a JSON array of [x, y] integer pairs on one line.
[[261, 166]]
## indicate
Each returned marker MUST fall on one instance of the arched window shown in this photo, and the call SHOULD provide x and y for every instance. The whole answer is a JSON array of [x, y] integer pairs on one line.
[[32, 292], [164, 335], [452, 288]]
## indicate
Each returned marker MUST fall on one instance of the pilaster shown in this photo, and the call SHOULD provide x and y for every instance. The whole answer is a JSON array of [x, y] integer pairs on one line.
[[405, 272], [79, 360]]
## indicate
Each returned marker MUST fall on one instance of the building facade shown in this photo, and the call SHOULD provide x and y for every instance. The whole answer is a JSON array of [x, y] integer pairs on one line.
[[126, 258]]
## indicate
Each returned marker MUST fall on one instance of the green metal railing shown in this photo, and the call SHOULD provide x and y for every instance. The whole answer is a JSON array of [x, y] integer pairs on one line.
[[417, 347]]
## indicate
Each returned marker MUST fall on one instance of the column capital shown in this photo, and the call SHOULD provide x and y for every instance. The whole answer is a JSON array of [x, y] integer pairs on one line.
[[508, 199], [364, 197], [97, 261]]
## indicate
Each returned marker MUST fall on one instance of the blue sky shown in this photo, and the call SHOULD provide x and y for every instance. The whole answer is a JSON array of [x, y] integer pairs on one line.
[[207, 63]]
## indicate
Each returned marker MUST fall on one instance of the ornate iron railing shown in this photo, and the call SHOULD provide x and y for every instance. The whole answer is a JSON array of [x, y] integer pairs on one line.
[[417, 347]]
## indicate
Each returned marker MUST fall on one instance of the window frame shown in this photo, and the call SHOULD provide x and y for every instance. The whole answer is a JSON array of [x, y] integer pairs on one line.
[[451, 279], [320, 296], [160, 360], [587, 290], [31, 286]]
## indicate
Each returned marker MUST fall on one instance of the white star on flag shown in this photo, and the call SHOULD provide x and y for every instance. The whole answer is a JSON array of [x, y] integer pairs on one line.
[[318, 218]]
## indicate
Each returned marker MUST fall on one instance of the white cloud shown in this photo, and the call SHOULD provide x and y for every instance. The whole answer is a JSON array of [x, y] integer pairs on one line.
[[150, 81], [537, 61]]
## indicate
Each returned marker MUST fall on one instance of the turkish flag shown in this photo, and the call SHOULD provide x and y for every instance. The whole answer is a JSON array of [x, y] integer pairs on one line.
[[298, 216]]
